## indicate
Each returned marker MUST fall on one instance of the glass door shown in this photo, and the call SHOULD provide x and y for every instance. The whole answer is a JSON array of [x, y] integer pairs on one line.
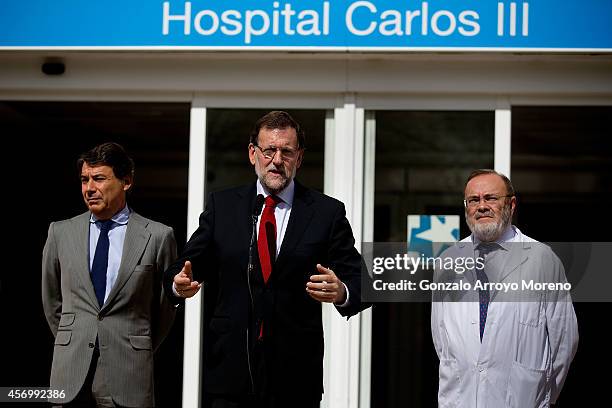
[[421, 161]]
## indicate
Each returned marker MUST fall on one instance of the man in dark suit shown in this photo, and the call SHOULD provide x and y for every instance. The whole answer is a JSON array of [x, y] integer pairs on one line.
[[264, 276], [102, 290]]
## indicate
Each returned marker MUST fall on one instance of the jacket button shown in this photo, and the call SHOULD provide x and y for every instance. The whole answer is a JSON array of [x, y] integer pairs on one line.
[[91, 345]]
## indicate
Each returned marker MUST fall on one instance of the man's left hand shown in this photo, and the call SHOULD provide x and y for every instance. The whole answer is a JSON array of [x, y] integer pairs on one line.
[[326, 286]]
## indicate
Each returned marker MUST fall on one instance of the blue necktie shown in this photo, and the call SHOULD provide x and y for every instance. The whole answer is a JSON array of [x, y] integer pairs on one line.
[[100, 261], [483, 294]]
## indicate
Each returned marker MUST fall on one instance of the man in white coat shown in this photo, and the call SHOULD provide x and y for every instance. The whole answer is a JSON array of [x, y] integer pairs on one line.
[[495, 349]]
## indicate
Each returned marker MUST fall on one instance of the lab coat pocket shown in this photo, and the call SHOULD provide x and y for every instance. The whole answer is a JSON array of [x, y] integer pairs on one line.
[[530, 313], [526, 387], [450, 382]]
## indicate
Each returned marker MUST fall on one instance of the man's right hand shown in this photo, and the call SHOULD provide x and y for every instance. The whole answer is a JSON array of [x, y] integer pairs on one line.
[[184, 284]]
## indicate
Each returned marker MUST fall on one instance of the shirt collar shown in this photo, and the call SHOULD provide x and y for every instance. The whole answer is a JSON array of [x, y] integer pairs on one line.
[[509, 235], [120, 218], [286, 194]]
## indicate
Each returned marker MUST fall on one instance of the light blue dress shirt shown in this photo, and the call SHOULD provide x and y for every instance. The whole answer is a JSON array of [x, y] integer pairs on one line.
[[116, 237]]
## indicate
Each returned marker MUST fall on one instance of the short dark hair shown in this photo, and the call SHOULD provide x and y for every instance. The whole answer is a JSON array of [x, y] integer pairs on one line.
[[480, 172], [278, 120], [108, 154]]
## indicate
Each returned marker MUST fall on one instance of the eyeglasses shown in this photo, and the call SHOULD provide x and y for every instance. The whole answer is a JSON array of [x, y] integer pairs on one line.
[[269, 152], [490, 199]]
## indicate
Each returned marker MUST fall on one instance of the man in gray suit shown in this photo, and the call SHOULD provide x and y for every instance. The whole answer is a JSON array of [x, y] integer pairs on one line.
[[102, 292]]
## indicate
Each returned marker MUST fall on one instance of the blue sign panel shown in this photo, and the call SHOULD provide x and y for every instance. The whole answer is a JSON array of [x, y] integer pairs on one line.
[[429, 235], [573, 25]]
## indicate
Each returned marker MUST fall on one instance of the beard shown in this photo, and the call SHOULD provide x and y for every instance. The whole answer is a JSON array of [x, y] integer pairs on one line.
[[275, 182], [490, 231]]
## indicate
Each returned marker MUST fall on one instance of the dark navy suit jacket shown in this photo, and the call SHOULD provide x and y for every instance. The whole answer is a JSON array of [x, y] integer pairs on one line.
[[317, 232]]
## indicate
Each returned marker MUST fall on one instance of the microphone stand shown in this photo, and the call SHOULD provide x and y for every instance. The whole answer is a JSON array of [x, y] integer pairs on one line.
[[250, 268]]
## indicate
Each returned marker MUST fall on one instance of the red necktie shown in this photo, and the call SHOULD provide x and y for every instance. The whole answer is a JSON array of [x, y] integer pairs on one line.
[[266, 241]]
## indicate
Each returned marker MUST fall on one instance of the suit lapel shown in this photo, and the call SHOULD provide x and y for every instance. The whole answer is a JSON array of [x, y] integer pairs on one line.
[[136, 239], [80, 243], [301, 215]]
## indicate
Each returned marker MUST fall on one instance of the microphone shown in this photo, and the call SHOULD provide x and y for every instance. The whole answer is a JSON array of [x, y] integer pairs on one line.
[[257, 206]]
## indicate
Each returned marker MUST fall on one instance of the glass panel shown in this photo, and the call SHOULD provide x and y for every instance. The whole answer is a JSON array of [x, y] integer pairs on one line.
[[45, 140], [562, 172], [227, 140], [227, 160], [422, 161], [562, 159]]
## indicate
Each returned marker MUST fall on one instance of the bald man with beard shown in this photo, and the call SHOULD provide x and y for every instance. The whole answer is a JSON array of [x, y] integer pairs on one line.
[[501, 349]]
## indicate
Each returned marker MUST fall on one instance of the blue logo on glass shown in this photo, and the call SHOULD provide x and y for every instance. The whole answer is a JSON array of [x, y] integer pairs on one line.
[[429, 235]]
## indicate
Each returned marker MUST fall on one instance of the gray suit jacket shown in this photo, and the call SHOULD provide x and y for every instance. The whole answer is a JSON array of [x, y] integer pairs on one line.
[[130, 325]]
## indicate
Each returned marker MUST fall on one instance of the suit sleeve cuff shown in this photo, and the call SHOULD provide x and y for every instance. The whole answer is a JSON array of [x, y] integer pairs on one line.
[[346, 302]]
